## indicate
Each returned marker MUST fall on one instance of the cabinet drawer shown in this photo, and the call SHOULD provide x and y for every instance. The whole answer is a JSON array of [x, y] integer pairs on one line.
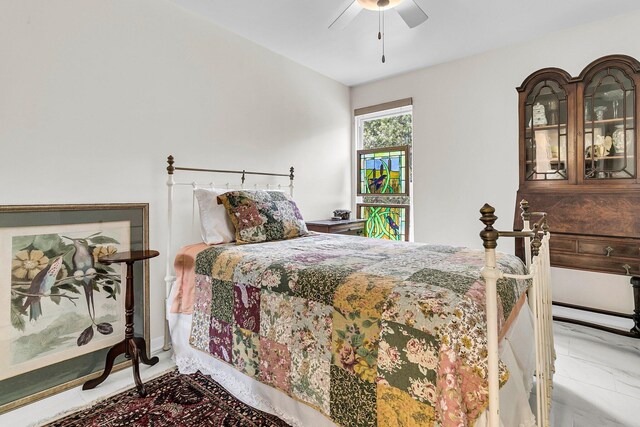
[[595, 263], [609, 249], [563, 243]]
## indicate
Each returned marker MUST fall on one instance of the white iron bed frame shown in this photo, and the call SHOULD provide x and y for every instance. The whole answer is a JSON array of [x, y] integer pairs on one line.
[[536, 240], [170, 277]]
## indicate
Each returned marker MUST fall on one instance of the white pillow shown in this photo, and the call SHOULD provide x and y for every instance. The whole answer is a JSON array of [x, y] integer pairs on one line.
[[215, 225]]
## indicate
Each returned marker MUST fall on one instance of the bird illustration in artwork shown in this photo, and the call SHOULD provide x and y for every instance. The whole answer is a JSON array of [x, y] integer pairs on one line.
[[393, 225], [377, 182], [41, 285], [84, 271]]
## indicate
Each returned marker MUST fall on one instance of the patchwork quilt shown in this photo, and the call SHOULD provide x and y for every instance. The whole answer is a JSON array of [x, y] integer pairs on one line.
[[368, 332]]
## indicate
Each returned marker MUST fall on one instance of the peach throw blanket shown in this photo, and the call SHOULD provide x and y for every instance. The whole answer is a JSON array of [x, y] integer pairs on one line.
[[185, 268]]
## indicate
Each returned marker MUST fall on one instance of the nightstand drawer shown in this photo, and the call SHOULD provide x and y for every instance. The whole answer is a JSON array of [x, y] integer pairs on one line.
[[353, 227], [347, 228]]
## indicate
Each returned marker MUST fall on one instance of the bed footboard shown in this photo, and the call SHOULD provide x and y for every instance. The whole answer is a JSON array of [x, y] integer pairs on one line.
[[536, 237]]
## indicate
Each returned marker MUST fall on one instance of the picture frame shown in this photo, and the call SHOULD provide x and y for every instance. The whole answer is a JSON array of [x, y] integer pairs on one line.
[[385, 221], [53, 286], [383, 171]]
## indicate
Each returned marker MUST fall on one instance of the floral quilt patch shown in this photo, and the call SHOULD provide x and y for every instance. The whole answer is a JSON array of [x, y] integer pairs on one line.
[[246, 351], [370, 333], [311, 379], [246, 307], [275, 364], [262, 216]]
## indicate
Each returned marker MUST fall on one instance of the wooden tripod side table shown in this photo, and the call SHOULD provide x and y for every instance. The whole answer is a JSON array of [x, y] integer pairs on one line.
[[134, 348]]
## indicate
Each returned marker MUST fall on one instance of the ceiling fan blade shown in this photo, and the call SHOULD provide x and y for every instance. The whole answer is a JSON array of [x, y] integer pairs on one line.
[[347, 16], [411, 13]]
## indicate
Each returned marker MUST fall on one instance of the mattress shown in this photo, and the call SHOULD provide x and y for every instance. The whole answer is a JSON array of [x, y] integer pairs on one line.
[[449, 278]]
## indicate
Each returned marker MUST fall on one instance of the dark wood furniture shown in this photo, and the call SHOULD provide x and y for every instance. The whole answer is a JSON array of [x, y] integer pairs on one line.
[[346, 226], [133, 347], [578, 144]]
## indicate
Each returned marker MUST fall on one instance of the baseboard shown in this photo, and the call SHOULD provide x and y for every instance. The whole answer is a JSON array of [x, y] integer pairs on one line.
[[156, 345]]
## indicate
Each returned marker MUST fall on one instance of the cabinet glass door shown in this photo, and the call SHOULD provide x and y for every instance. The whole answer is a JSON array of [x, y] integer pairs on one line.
[[609, 146], [546, 132]]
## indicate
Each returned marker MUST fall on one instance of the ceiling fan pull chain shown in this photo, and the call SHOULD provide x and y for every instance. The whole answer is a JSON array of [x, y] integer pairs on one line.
[[379, 18], [383, 37]]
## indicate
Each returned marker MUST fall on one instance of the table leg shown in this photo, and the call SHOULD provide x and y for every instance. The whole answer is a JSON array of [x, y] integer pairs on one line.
[[142, 348], [114, 352], [135, 363]]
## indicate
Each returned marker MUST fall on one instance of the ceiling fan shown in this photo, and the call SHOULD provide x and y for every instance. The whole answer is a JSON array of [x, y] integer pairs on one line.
[[408, 10]]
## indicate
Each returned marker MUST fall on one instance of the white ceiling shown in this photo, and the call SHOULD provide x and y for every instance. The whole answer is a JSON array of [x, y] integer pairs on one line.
[[298, 29]]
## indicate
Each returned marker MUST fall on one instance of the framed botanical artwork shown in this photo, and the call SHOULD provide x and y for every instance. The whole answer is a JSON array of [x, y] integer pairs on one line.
[[61, 309], [383, 171], [390, 222]]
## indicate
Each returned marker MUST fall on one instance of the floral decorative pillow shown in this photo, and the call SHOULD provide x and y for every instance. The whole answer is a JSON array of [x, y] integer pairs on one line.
[[262, 216]]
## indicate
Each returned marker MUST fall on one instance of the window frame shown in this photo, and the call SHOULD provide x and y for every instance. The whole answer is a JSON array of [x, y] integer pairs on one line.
[[374, 113]]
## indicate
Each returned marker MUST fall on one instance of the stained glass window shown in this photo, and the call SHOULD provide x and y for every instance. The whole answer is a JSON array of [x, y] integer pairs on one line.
[[385, 221], [383, 175], [383, 171]]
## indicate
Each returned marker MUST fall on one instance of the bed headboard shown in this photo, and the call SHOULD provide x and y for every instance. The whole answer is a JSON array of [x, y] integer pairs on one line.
[[171, 169], [172, 183]]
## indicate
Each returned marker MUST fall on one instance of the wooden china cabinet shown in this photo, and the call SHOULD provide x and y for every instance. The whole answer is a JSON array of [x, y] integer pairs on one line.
[[579, 163]]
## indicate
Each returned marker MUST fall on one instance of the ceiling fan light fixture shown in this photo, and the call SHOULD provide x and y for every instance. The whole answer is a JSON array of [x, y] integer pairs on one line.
[[379, 4], [410, 12]]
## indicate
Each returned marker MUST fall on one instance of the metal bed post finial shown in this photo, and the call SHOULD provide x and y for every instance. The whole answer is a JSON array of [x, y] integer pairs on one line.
[[536, 243], [291, 181], [489, 235], [526, 226], [170, 168], [524, 207], [545, 225]]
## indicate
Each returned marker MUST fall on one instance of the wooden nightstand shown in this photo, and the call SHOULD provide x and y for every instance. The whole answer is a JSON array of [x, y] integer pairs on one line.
[[353, 227]]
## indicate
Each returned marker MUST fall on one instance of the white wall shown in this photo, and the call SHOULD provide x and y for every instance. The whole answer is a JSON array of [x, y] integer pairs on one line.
[[466, 139], [95, 94]]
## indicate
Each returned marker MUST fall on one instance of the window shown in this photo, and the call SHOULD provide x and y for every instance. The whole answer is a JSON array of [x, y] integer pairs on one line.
[[384, 138]]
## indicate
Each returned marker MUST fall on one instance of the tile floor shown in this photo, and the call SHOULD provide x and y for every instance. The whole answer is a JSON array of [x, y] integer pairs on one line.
[[597, 381]]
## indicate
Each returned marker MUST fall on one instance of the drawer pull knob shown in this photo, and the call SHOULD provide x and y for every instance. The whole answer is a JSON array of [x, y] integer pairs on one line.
[[626, 267], [608, 250]]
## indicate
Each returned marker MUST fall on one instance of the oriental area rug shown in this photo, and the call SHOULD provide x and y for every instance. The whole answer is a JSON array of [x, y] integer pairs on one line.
[[172, 400]]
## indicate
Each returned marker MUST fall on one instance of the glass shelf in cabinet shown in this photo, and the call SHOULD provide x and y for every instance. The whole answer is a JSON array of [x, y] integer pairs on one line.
[[552, 160], [607, 121], [548, 127], [629, 156]]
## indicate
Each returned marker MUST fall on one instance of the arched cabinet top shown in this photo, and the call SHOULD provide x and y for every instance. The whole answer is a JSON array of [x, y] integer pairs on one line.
[[557, 74], [627, 63]]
